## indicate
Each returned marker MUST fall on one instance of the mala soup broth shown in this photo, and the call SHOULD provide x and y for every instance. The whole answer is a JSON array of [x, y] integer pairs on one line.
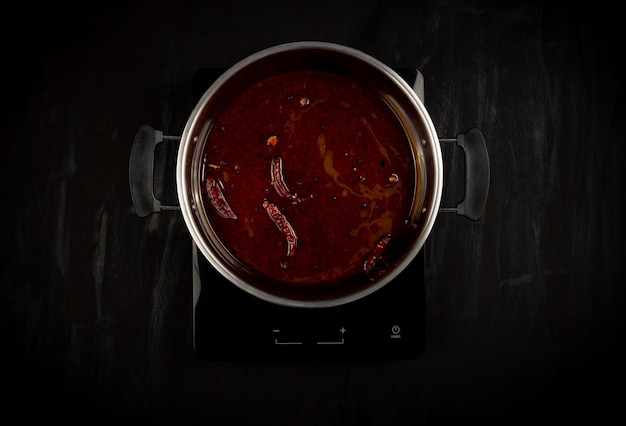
[[308, 178]]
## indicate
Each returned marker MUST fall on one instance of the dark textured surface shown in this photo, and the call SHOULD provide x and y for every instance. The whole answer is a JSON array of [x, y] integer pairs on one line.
[[524, 308]]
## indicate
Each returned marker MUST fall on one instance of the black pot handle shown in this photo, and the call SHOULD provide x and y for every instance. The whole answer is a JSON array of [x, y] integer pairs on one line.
[[477, 174], [141, 171]]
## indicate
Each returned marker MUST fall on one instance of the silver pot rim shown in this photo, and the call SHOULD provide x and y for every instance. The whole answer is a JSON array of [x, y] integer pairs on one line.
[[187, 173]]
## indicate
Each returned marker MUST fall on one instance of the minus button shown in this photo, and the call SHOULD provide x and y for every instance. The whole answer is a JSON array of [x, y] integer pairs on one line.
[[284, 342]]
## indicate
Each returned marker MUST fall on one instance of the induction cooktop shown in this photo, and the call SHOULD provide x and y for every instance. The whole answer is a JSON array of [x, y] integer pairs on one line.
[[230, 324]]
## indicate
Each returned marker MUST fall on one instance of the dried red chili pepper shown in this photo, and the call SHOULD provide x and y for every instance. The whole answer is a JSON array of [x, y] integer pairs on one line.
[[283, 225], [214, 191], [378, 251], [278, 181]]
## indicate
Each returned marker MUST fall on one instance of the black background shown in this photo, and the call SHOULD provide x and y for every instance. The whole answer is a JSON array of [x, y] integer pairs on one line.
[[524, 316]]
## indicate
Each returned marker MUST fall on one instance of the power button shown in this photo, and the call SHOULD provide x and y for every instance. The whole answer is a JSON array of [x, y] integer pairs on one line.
[[395, 329]]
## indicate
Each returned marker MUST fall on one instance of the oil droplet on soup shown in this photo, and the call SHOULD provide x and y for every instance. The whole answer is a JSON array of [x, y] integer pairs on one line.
[[312, 154]]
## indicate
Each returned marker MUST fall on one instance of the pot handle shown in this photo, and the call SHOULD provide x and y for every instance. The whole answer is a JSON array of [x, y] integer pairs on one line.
[[477, 174], [141, 171]]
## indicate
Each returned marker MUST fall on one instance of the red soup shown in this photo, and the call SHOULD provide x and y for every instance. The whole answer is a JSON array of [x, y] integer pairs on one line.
[[309, 178]]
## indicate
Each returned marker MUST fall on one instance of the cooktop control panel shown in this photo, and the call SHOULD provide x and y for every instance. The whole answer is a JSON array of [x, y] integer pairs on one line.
[[230, 324]]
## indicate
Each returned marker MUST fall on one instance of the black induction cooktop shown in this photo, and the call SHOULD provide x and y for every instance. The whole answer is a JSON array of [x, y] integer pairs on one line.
[[230, 324]]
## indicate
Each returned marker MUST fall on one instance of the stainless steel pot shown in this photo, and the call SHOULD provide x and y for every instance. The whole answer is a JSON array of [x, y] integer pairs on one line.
[[359, 67]]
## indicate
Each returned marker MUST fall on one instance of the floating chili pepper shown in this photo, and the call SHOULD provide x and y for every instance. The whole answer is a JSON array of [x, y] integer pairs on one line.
[[278, 180], [377, 252], [283, 225], [214, 190]]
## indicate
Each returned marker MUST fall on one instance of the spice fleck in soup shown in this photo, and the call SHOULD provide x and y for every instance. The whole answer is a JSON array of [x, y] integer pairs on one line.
[[308, 177]]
